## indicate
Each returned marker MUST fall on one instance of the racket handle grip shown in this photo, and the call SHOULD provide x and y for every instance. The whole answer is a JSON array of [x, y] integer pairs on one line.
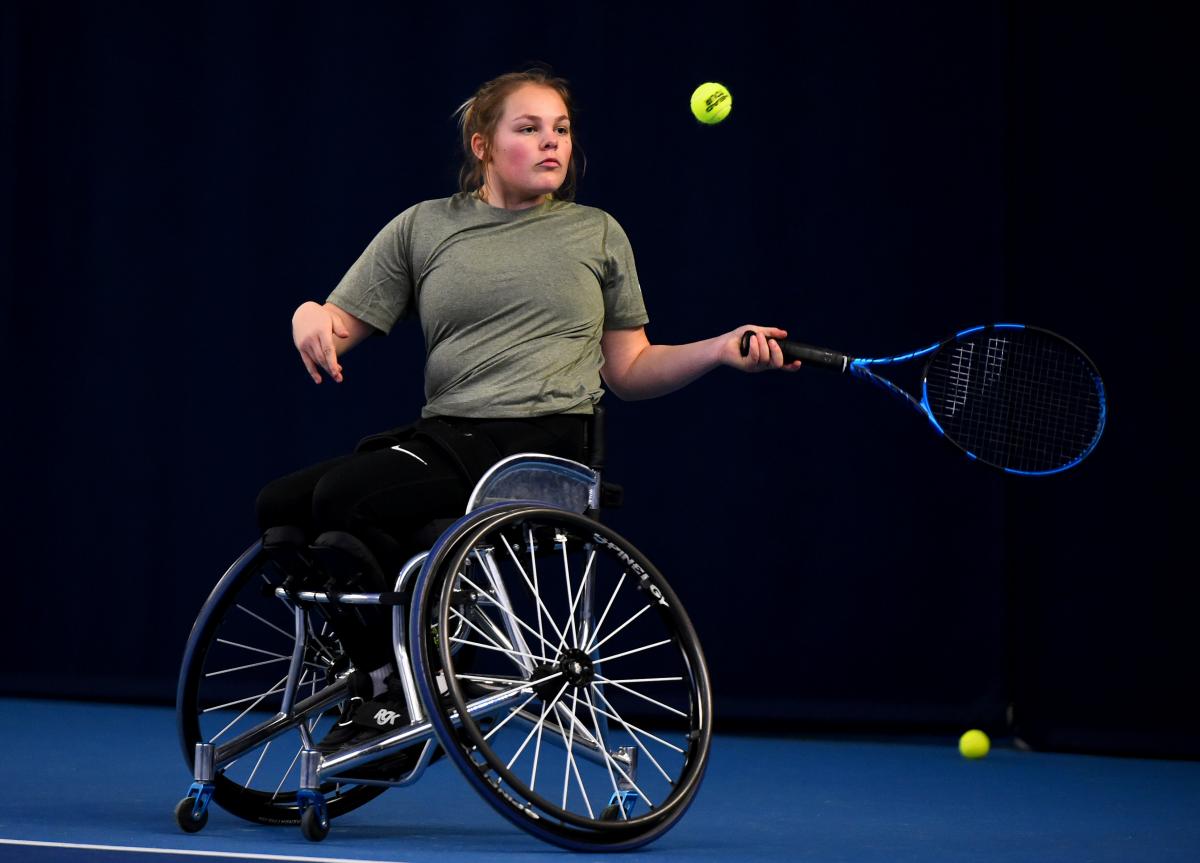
[[810, 354]]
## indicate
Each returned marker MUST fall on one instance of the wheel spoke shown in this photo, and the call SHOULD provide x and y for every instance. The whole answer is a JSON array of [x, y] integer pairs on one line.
[[566, 787], [512, 711], [611, 600], [510, 652], [575, 766], [489, 678], [274, 653], [286, 773], [629, 726], [622, 686], [537, 749], [643, 610], [633, 651], [578, 594], [265, 622], [611, 777], [259, 665], [561, 539], [524, 685], [245, 667], [511, 616], [610, 760], [537, 727], [532, 588], [533, 566], [257, 763], [256, 700], [641, 746]]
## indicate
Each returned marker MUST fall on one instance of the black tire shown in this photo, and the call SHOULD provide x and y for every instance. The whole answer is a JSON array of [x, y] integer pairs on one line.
[[312, 826], [563, 691], [238, 650], [185, 816]]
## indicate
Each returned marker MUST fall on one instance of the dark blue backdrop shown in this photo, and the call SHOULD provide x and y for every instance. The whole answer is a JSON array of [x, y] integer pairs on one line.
[[176, 179]]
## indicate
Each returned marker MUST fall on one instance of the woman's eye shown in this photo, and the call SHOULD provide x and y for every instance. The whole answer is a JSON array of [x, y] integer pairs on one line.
[[563, 130]]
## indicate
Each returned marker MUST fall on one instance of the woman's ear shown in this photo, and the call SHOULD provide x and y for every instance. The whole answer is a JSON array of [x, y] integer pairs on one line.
[[479, 146]]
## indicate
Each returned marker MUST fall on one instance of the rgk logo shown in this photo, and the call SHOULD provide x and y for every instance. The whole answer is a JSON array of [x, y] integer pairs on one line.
[[386, 717]]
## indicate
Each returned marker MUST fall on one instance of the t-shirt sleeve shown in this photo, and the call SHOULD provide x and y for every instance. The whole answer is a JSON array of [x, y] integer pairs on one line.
[[623, 304], [378, 288]]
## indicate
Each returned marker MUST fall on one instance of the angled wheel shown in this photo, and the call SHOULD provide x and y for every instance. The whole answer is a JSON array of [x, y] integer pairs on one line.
[[583, 711], [234, 669]]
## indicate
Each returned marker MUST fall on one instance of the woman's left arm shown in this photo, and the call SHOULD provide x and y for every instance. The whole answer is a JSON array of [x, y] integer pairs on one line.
[[635, 369]]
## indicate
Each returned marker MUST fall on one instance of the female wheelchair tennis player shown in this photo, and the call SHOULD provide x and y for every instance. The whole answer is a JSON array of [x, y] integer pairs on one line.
[[369, 630]]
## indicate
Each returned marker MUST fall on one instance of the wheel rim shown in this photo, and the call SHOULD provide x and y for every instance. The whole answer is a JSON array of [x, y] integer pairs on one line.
[[629, 674]]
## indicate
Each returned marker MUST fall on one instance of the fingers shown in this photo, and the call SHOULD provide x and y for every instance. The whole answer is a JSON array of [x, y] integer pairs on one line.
[[776, 355], [763, 350], [329, 361], [313, 331], [311, 367], [319, 354]]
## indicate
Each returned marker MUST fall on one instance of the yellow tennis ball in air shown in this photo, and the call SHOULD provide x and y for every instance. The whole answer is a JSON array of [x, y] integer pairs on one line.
[[711, 103], [974, 744]]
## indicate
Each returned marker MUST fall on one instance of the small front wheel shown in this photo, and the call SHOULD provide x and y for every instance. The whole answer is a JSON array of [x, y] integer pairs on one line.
[[186, 817], [313, 825]]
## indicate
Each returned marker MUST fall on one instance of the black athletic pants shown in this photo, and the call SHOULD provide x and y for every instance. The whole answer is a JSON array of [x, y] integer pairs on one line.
[[388, 490], [397, 482]]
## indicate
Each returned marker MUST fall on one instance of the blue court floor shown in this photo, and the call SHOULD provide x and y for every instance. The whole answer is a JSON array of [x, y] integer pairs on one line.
[[98, 782]]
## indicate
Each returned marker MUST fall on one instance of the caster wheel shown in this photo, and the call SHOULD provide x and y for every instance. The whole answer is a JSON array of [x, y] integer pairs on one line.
[[313, 826], [186, 819], [611, 812]]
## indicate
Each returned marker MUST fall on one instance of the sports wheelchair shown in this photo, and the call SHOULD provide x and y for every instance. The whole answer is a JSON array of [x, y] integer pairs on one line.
[[539, 650]]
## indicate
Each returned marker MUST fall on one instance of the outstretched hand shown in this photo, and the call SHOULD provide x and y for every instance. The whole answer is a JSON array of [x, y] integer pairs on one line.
[[764, 353], [313, 329]]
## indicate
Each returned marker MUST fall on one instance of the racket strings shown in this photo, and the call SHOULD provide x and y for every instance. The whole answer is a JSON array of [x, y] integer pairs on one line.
[[1023, 400]]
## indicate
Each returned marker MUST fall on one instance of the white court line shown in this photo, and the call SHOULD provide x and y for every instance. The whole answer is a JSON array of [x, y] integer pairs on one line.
[[185, 853]]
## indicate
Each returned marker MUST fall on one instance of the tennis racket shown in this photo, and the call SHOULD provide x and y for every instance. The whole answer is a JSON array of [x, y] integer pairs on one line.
[[1018, 398]]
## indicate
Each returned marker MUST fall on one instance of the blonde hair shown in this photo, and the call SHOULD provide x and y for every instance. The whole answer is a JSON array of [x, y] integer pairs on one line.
[[481, 114]]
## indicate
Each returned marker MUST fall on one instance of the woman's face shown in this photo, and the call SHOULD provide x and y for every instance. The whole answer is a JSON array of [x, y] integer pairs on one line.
[[530, 149]]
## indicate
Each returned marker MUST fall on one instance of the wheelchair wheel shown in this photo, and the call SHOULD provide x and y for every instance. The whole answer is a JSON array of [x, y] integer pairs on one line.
[[233, 675], [583, 711]]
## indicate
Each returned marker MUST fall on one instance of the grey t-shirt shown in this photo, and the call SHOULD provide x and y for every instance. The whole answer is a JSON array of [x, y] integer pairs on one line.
[[512, 302]]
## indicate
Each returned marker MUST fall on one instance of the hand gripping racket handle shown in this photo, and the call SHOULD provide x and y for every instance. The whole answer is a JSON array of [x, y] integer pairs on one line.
[[822, 357]]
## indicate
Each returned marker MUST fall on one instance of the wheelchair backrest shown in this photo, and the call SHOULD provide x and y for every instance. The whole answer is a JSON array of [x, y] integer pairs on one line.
[[546, 479]]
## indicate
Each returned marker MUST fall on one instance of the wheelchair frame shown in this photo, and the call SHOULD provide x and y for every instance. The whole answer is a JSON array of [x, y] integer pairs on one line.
[[460, 690]]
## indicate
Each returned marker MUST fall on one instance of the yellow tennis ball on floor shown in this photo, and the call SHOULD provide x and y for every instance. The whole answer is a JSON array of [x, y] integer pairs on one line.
[[711, 103], [974, 744]]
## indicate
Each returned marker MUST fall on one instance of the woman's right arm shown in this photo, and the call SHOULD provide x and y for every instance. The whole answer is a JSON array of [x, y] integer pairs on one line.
[[322, 333]]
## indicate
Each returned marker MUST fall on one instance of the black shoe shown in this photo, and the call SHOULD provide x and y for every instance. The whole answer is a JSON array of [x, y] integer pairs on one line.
[[365, 720], [362, 718]]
